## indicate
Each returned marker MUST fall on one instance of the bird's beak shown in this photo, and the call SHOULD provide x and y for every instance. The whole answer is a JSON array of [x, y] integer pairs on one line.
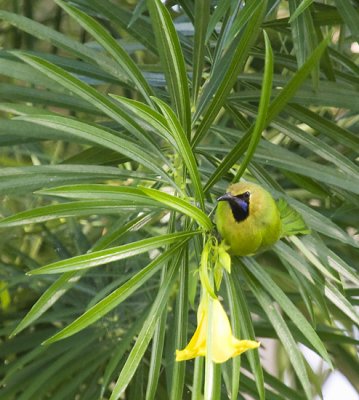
[[225, 197]]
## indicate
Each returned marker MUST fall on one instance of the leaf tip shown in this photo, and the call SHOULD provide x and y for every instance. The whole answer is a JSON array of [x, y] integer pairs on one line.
[[14, 333]]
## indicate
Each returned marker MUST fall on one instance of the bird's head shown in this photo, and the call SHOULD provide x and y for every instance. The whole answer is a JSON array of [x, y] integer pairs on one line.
[[239, 204]]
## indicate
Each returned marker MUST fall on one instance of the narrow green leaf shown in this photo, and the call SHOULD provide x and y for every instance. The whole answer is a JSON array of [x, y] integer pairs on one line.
[[138, 11], [55, 367], [10, 92], [327, 94], [323, 125], [319, 222], [305, 289], [350, 16], [67, 280], [274, 109], [121, 18], [180, 328], [188, 7], [225, 50], [314, 144], [218, 14], [126, 197], [276, 156], [236, 319], [304, 37], [180, 205], [335, 335], [315, 245], [75, 372], [97, 155], [282, 331], [294, 260], [148, 116], [116, 297], [300, 34], [50, 297], [90, 73], [22, 109], [288, 307], [101, 257], [340, 301], [62, 41], [120, 228], [20, 71], [313, 259], [296, 81], [15, 132], [168, 126], [71, 209], [280, 387], [112, 46], [91, 95], [123, 194], [262, 109], [145, 334], [300, 9], [86, 372], [120, 349], [235, 291], [197, 379], [99, 136], [344, 60], [158, 342], [217, 89], [21, 180], [173, 61], [201, 20], [184, 149]]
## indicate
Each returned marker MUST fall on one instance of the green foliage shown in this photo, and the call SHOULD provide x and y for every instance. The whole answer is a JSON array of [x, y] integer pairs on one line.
[[121, 124]]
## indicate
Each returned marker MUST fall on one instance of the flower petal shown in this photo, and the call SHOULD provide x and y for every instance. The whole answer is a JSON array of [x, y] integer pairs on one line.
[[224, 344], [232, 349], [197, 345]]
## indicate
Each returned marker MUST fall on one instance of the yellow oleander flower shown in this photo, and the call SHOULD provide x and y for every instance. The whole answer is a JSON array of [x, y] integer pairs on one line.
[[224, 344]]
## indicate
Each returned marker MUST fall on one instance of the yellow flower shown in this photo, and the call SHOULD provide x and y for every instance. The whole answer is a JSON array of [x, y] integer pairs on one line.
[[224, 344]]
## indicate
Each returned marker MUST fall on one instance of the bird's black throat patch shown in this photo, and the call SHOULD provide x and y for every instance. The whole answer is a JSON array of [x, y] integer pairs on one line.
[[240, 206]]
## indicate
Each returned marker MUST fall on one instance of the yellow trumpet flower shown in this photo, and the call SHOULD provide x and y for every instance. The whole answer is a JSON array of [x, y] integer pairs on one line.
[[224, 344]]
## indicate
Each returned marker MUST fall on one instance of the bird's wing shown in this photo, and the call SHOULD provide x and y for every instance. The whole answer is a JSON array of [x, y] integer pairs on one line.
[[292, 221]]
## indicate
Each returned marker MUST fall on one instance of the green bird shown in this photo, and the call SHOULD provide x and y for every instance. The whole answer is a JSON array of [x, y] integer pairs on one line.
[[249, 220]]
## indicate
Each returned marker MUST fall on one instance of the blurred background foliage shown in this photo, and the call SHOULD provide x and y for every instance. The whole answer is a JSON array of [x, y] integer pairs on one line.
[[90, 154]]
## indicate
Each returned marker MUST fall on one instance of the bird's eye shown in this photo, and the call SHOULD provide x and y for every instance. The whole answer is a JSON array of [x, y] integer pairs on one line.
[[244, 196]]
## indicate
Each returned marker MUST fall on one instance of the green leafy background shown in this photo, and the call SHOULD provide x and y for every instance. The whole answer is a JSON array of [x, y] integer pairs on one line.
[[121, 123]]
